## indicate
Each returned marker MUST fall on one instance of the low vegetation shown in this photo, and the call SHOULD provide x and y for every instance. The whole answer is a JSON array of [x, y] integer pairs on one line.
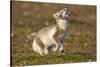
[[29, 17]]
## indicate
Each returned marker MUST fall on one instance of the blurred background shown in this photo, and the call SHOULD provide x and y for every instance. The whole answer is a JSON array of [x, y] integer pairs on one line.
[[29, 17]]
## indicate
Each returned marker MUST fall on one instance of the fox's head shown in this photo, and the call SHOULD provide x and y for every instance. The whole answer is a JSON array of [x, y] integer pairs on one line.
[[62, 14]]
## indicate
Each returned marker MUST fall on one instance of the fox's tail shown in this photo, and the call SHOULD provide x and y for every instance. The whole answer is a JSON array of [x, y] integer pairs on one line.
[[31, 35]]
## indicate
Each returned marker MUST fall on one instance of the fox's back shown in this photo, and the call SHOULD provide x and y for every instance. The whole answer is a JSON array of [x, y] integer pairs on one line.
[[48, 31]]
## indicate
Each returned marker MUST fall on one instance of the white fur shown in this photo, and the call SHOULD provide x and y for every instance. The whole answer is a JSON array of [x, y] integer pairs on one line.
[[46, 35], [37, 48]]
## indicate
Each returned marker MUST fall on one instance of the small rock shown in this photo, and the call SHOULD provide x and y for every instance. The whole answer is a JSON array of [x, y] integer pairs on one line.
[[29, 37], [33, 34], [25, 5], [89, 60], [88, 32], [20, 22], [12, 34], [27, 40], [85, 44], [26, 13], [78, 33]]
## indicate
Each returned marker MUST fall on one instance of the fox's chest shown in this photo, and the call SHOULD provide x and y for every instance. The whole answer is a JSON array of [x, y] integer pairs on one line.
[[62, 24], [61, 29]]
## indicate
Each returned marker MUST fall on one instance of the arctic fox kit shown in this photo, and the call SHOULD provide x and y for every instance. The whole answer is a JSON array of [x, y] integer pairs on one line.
[[52, 35]]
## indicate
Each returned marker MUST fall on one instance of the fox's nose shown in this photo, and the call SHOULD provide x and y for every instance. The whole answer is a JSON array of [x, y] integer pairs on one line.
[[62, 51]]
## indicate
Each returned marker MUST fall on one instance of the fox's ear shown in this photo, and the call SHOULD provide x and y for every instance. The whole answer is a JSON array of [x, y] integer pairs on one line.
[[56, 15], [66, 8]]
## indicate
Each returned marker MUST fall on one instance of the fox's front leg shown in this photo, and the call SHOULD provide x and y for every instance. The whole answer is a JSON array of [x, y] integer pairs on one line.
[[56, 45], [61, 43]]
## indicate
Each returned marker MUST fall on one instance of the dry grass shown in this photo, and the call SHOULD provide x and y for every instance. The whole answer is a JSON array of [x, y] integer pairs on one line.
[[80, 43]]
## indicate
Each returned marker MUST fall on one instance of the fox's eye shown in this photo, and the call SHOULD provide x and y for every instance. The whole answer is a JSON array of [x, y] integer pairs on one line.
[[61, 12]]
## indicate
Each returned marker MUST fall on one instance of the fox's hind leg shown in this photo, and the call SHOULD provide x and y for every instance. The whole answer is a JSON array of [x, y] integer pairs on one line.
[[46, 51], [37, 48], [55, 43]]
